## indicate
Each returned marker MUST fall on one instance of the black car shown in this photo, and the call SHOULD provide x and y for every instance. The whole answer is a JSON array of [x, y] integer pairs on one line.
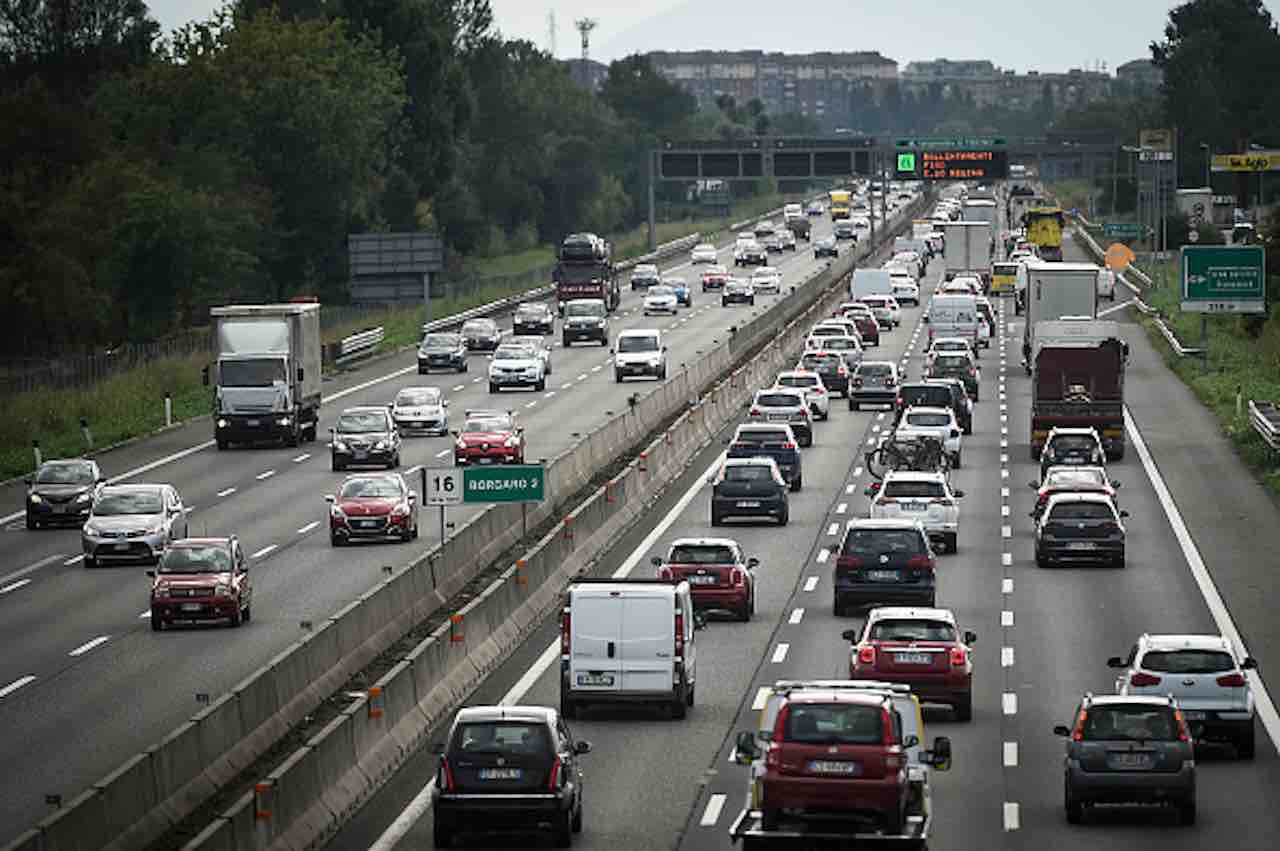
[[826, 247], [62, 492], [481, 334], [508, 768], [643, 276], [1072, 447], [585, 319], [844, 230], [533, 318], [365, 436], [737, 292], [749, 487], [920, 393], [771, 440], [442, 351], [1080, 527], [886, 562]]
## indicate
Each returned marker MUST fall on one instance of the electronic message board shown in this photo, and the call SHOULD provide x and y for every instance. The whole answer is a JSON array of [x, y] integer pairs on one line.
[[952, 165]]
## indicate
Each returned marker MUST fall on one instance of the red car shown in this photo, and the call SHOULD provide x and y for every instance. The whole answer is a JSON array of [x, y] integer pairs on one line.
[[920, 647], [201, 579], [714, 278], [868, 327], [720, 577], [489, 437], [373, 507], [1071, 479], [836, 754]]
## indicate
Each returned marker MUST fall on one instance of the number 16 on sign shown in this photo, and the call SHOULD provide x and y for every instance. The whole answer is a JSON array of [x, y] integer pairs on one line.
[[443, 487]]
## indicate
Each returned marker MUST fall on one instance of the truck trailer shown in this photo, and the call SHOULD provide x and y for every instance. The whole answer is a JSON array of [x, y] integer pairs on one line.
[[585, 270], [1044, 228], [968, 250], [1054, 291], [267, 376], [1078, 381]]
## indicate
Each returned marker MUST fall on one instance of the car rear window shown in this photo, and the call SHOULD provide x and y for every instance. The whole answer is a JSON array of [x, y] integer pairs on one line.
[[707, 553], [1067, 478], [798, 381], [511, 738], [893, 629], [900, 489], [834, 724], [779, 400], [1082, 511], [875, 369], [815, 360], [952, 361], [882, 542], [928, 419], [748, 473], [760, 437], [1188, 661], [827, 331], [1113, 723], [637, 344], [1073, 442], [937, 396]]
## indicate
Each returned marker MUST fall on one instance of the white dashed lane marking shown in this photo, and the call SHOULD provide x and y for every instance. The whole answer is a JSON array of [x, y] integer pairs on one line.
[[305, 529], [711, 814], [1006, 585], [780, 653], [226, 492], [264, 551], [823, 555], [89, 645], [1006, 618], [762, 697], [1009, 703], [1011, 819], [14, 586], [303, 457], [842, 508], [459, 387], [797, 615], [442, 453], [833, 529], [263, 476], [1006, 657], [74, 560], [811, 583], [16, 684]]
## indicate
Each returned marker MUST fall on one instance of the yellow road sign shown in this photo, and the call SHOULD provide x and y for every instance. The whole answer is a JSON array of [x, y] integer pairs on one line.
[[1253, 161]]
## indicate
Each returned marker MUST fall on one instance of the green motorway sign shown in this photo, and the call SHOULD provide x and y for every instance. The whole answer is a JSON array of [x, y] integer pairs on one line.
[[1122, 229], [951, 142], [1223, 279], [516, 483]]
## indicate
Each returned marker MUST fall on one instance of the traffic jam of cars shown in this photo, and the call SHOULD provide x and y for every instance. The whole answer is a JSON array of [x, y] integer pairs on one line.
[[837, 757]]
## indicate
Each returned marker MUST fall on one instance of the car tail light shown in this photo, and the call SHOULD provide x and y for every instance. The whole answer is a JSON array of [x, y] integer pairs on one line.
[[1184, 735], [738, 577], [1041, 501], [841, 370], [958, 657], [857, 382], [893, 761], [1235, 680], [1142, 678], [1077, 735], [788, 445], [556, 768], [755, 412], [773, 756], [848, 562], [920, 563], [1110, 526], [972, 371], [866, 655], [680, 633], [446, 775], [566, 623], [886, 725], [664, 573], [779, 733], [818, 391]]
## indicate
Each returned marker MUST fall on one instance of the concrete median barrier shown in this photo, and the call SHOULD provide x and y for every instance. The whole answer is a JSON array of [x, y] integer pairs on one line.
[[335, 753], [219, 731], [217, 836]]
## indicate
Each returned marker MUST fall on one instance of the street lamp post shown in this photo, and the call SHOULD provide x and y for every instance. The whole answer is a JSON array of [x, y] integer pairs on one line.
[[1208, 159]]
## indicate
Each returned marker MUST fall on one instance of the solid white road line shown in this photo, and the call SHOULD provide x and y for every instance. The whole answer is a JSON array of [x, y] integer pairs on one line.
[[226, 492], [263, 476], [761, 698], [262, 552], [797, 615], [811, 583], [305, 529], [1266, 708], [15, 586], [1010, 754], [31, 568], [89, 645], [711, 814], [18, 683], [780, 653]]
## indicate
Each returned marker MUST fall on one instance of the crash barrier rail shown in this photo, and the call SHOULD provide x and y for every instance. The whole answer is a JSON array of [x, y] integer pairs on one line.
[[158, 788], [317, 788], [1265, 419], [357, 346]]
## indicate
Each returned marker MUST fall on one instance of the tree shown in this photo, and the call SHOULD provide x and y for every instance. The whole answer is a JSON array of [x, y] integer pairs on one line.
[[638, 93], [74, 45]]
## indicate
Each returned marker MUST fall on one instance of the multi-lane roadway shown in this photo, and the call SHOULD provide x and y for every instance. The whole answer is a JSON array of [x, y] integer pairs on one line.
[[84, 683]]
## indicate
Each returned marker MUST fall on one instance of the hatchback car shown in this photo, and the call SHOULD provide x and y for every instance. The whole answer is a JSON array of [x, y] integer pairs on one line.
[[1071, 480], [923, 648], [489, 437], [738, 291], [873, 383], [201, 579], [1203, 674], [684, 293], [867, 325], [1072, 447], [844, 229], [644, 275], [62, 492], [703, 252], [826, 247], [879, 303], [883, 562], [714, 278], [481, 334], [541, 347], [957, 365], [131, 523], [534, 318], [767, 279], [770, 440], [442, 351], [949, 345], [721, 578], [508, 768], [814, 390], [1080, 527], [421, 410], [921, 496], [1128, 750], [905, 290], [373, 507], [830, 366], [784, 405], [365, 436], [750, 486], [660, 298]]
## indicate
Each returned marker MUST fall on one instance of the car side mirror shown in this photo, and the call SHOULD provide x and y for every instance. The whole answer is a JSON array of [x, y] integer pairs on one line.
[[958, 494], [1061, 730], [753, 563], [850, 635], [940, 755], [445, 403], [329, 498], [1117, 485], [1033, 486], [151, 573], [1249, 664], [1116, 662], [656, 561], [391, 406], [746, 751], [911, 741], [1124, 513], [664, 348], [581, 747], [955, 432], [27, 481], [699, 620], [970, 637]]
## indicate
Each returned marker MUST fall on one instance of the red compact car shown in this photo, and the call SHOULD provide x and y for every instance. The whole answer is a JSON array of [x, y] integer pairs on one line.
[[836, 754], [920, 647], [714, 278], [373, 507], [720, 577], [489, 437], [201, 579], [1072, 479]]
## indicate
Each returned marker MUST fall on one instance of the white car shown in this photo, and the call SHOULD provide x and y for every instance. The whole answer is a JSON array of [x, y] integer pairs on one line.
[[921, 421], [1107, 284], [539, 345], [792, 211], [767, 279], [962, 284], [814, 390], [661, 299], [420, 410], [949, 345], [702, 253], [905, 290], [885, 308], [516, 365], [924, 497]]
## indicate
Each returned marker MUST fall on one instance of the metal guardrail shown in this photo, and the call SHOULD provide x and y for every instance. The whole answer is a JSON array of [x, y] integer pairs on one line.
[[359, 345], [1265, 419]]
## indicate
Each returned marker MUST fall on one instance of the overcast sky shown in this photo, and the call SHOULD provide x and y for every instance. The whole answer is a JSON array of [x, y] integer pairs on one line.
[[1012, 33]]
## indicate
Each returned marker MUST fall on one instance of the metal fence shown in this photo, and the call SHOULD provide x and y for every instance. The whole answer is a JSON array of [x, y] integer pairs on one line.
[[69, 372]]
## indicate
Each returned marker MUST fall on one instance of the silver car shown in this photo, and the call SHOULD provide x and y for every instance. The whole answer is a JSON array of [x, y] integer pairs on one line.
[[539, 345], [421, 410], [132, 523]]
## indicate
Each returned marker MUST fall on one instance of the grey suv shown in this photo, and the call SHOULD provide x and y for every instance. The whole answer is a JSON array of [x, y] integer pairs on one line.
[[1128, 750], [585, 319]]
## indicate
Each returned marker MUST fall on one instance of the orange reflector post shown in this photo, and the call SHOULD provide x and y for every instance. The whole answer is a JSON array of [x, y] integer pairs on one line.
[[521, 578], [568, 527], [455, 627], [262, 795], [375, 701], [644, 462]]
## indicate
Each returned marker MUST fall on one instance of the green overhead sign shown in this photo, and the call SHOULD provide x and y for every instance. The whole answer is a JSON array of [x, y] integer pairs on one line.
[[1122, 229], [951, 142], [1223, 279]]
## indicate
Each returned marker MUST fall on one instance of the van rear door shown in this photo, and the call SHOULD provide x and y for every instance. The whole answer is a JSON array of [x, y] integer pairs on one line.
[[647, 643], [595, 644]]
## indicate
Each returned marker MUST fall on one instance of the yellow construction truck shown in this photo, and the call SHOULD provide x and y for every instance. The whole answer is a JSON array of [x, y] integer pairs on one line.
[[839, 199], [1044, 229]]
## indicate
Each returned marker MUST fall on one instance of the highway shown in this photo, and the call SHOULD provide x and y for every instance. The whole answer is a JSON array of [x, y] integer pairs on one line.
[[84, 682], [1043, 635]]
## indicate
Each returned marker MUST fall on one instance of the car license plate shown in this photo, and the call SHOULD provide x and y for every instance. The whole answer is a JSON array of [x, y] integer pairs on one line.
[[702, 580], [595, 679], [828, 766], [366, 524], [913, 658], [882, 575], [500, 773], [1081, 545], [359, 453], [914, 506], [485, 459], [121, 547], [192, 607], [1193, 716], [253, 423], [748, 503], [1129, 760]]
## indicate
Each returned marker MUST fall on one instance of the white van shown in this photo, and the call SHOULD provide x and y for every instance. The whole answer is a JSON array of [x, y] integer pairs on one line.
[[639, 351], [870, 282], [954, 315], [628, 641]]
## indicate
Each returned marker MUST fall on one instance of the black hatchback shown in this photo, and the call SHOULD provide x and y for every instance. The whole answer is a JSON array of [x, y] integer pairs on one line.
[[749, 487], [533, 318], [508, 768], [921, 393], [62, 492]]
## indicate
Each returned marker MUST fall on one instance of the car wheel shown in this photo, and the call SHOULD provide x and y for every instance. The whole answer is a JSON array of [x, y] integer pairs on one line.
[[1118, 561], [248, 613], [493, 388], [854, 406], [617, 377], [953, 545], [222, 444], [955, 461], [797, 482], [338, 466], [1245, 744], [785, 517], [716, 519], [336, 540], [576, 824], [237, 617], [32, 523], [1042, 561], [964, 709], [442, 835], [564, 341], [562, 832], [465, 366], [568, 708], [969, 428], [90, 561], [662, 374], [1187, 814], [413, 536], [157, 623], [541, 385], [679, 709]]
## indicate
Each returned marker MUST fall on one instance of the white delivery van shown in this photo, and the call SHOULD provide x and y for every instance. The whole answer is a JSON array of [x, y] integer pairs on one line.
[[954, 315], [870, 282], [628, 641]]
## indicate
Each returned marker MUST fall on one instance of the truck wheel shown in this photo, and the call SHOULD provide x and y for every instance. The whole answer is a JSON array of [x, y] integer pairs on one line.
[[953, 545], [679, 709], [493, 388], [769, 819], [564, 341]]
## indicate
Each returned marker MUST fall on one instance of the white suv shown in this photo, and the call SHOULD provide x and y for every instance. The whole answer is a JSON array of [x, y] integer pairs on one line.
[[941, 423], [767, 279], [924, 497], [1203, 674], [815, 392]]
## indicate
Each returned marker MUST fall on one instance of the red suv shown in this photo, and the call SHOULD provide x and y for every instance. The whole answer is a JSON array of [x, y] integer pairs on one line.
[[720, 577], [201, 579], [920, 647], [489, 437], [836, 754]]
